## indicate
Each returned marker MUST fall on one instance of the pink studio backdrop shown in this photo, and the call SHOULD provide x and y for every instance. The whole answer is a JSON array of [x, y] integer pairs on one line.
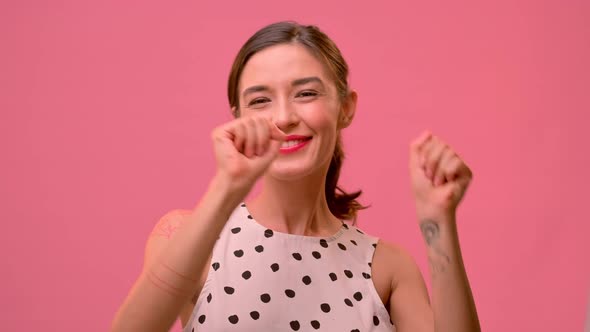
[[107, 106]]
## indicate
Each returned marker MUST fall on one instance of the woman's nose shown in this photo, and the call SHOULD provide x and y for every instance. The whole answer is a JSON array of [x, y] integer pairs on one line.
[[285, 116]]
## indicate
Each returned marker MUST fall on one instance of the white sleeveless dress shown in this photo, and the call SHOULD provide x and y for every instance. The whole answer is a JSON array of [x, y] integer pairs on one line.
[[261, 280]]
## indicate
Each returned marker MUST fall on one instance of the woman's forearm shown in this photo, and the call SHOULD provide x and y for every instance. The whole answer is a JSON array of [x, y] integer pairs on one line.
[[167, 285], [452, 301]]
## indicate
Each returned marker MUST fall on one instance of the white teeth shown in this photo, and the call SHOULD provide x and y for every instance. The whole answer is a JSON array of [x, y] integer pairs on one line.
[[288, 144]]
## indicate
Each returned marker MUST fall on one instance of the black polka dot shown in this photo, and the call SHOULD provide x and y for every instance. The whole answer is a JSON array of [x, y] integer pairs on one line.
[[250, 217], [265, 298], [268, 233], [236, 230], [306, 280], [315, 324], [228, 290], [255, 315], [341, 246], [274, 267], [209, 297], [325, 307], [369, 264], [294, 325], [355, 330], [374, 245], [333, 276], [233, 319], [259, 248], [193, 329], [324, 243], [316, 255], [215, 266], [376, 320], [290, 293], [202, 319], [358, 230], [348, 302], [243, 205], [366, 275], [246, 275], [345, 225], [348, 273], [354, 242], [297, 256], [358, 296], [239, 253]]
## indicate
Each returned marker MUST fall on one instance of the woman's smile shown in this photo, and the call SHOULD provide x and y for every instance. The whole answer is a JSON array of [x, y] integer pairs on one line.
[[294, 143]]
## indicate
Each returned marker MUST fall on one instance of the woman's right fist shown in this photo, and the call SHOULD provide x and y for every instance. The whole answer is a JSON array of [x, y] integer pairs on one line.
[[245, 147]]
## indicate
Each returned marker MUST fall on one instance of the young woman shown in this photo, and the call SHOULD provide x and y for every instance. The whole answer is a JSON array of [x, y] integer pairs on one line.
[[287, 260]]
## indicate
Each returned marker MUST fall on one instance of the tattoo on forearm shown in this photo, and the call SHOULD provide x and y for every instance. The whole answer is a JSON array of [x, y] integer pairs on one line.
[[437, 259], [430, 231]]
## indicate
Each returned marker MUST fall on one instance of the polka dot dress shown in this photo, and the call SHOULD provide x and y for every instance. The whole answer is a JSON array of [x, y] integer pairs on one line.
[[261, 280]]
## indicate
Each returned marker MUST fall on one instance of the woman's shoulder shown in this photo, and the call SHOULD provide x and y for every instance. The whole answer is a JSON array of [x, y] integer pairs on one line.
[[393, 250], [398, 262], [390, 254], [387, 247]]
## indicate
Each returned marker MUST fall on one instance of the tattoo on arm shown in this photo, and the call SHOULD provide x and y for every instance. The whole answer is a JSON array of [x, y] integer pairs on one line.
[[430, 231], [166, 230], [437, 259], [168, 226]]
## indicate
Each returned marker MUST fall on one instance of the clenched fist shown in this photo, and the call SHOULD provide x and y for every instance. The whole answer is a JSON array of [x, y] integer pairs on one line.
[[438, 175], [245, 148]]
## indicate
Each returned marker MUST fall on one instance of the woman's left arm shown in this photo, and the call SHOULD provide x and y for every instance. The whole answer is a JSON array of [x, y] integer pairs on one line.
[[453, 306], [439, 181]]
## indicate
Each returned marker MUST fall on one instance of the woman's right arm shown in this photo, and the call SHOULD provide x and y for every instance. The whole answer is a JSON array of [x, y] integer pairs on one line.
[[172, 269], [244, 148]]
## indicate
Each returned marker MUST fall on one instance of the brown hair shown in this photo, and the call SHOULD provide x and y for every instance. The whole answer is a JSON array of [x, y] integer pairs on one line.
[[342, 204]]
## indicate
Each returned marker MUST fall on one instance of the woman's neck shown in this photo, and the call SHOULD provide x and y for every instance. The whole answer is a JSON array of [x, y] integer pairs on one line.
[[295, 207]]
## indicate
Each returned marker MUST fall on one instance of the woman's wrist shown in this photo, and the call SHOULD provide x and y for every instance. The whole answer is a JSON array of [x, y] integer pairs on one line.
[[227, 189], [226, 185], [439, 215]]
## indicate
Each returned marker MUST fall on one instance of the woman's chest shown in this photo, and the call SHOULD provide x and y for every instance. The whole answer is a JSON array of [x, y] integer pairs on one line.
[[254, 287]]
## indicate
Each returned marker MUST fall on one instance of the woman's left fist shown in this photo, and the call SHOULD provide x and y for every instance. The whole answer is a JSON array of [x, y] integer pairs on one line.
[[438, 175]]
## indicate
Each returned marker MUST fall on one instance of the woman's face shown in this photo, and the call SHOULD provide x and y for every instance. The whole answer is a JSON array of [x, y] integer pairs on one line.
[[290, 85]]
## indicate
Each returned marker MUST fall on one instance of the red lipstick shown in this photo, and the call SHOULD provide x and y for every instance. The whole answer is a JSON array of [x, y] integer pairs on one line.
[[302, 142]]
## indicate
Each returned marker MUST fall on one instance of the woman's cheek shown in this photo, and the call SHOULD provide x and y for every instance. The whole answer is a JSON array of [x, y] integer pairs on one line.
[[320, 114]]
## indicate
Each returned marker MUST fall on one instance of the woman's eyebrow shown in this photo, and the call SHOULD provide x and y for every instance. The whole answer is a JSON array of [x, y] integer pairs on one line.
[[305, 80], [255, 88]]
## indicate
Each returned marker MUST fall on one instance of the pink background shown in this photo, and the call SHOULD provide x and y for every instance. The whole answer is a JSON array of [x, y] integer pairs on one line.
[[107, 106]]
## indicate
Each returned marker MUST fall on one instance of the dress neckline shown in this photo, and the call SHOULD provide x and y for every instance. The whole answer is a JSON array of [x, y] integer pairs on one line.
[[248, 217]]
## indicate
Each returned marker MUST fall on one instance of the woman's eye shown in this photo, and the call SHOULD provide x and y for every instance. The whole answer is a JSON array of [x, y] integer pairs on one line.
[[307, 94], [258, 101]]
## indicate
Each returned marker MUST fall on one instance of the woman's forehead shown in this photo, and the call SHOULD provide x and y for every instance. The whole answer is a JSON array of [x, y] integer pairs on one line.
[[280, 65]]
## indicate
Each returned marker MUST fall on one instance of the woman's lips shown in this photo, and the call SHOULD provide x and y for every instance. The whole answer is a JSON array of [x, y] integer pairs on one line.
[[294, 143]]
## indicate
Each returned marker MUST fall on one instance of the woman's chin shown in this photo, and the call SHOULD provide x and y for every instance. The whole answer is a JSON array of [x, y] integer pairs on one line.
[[288, 172]]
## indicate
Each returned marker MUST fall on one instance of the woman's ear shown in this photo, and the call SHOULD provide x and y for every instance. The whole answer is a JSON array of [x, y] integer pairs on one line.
[[348, 110]]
